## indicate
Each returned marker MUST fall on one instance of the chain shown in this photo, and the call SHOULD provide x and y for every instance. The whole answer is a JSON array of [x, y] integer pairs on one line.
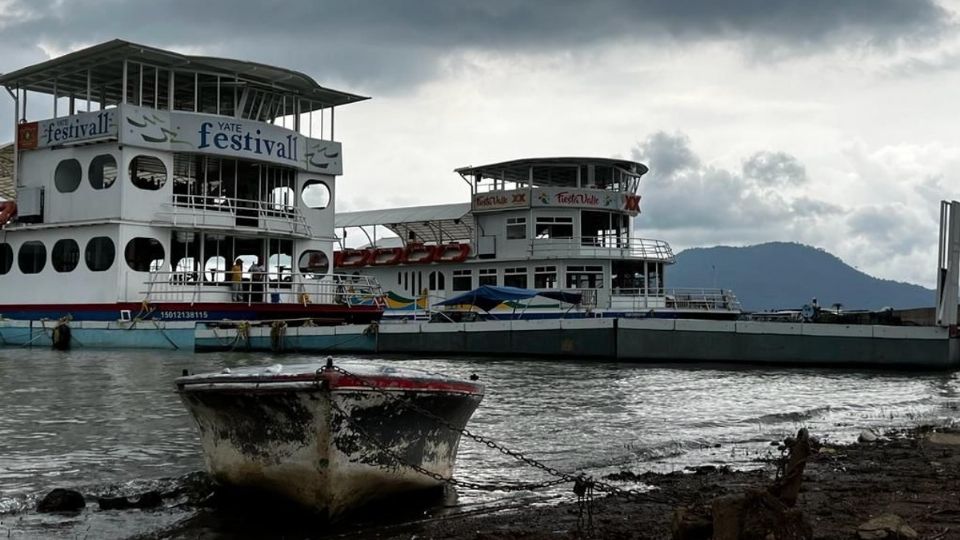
[[436, 476], [580, 481]]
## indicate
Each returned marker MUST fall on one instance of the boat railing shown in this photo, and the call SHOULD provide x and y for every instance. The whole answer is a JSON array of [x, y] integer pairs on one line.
[[682, 298], [210, 210], [602, 246], [193, 287]]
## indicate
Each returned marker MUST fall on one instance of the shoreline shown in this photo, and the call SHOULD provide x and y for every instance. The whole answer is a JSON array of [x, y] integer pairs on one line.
[[912, 474]]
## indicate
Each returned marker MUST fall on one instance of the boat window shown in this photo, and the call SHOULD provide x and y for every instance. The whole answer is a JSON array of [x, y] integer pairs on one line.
[[462, 280], [6, 258], [585, 277], [100, 253], [144, 254], [67, 176], [315, 194], [436, 281], [65, 255], [148, 172], [545, 277], [516, 228], [488, 276], [515, 277], [399, 278], [554, 227], [314, 262], [103, 171], [32, 257]]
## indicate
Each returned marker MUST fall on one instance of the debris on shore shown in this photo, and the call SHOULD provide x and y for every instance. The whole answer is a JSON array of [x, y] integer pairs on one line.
[[899, 485]]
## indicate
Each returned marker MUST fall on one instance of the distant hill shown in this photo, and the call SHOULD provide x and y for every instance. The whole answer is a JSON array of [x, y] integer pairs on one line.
[[781, 275]]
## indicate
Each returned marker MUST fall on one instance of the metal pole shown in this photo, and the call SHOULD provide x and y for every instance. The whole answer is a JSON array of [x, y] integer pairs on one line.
[[171, 91], [54, 98], [333, 136], [218, 94], [140, 91], [88, 90], [123, 97], [196, 91]]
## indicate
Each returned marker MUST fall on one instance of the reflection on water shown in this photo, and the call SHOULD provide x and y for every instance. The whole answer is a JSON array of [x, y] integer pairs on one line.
[[95, 418]]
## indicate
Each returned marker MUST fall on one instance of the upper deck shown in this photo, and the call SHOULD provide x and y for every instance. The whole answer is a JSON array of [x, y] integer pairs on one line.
[[558, 182], [205, 142], [153, 98]]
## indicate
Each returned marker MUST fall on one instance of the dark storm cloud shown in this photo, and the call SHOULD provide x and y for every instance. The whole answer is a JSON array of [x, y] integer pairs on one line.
[[392, 44], [775, 168], [685, 194]]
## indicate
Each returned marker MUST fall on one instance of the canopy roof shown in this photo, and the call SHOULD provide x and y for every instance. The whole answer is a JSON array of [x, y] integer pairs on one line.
[[487, 297], [105, 62], [548, 170], [437, 223]]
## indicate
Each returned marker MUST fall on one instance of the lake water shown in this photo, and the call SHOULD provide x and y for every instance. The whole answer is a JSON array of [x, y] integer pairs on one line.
[[110, 421]]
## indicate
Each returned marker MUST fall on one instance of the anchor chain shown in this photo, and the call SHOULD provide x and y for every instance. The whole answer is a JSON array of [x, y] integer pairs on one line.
[[437, 476], [579, 480]]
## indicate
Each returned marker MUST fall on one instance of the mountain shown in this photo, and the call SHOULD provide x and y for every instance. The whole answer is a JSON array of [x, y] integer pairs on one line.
[[781, 275]]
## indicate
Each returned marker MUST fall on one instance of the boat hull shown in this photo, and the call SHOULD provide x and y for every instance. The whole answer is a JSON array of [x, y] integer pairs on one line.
[[322, 447]]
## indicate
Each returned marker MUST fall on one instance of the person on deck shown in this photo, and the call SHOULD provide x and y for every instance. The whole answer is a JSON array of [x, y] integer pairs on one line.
[[257, 277], [235, 277]]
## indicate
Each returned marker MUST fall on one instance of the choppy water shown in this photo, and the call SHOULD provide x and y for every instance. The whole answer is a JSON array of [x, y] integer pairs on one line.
[[104, 421]]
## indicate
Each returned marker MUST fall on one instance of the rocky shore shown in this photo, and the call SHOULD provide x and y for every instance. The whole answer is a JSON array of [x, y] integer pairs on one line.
[[903, 484]]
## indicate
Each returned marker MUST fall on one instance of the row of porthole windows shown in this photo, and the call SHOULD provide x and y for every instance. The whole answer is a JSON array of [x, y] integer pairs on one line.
[[102, 173], [99, 255], [65, 255], [149, 173]]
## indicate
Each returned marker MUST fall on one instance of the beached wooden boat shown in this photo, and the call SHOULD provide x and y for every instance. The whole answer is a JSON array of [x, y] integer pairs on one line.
[[329, 438]]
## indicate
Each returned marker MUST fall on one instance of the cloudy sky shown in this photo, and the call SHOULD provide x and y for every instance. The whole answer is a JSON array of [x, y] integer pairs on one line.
[[831, 123]]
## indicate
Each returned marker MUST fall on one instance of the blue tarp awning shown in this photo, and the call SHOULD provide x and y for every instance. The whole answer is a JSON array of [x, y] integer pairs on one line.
[[487, 297]]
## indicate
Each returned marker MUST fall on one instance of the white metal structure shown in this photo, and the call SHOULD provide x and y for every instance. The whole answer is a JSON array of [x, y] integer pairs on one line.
[[143, 175], [560, 224]]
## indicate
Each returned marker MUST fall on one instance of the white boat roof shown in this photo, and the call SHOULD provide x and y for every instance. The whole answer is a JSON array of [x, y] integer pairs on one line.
[[435, 223], [545, 169], [68, 73], [8, 191]]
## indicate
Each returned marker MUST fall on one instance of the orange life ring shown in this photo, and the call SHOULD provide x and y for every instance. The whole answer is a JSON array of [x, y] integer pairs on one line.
[[386, 256], [417, 253], [453, 252]]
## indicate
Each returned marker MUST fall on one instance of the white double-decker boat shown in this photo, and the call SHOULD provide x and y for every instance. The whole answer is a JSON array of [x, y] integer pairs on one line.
[[561, 226], [148, 184]]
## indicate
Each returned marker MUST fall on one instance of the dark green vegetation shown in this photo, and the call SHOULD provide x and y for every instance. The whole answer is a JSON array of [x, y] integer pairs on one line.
[[781, 275]]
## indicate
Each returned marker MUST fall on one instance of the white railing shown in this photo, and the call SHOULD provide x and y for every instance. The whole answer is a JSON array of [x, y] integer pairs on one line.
[[273, 288], [602, 247], [211, 210], [682, 299]]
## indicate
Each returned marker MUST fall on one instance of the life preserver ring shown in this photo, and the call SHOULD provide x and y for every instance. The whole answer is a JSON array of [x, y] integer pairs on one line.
[[355, 257], [387, 256], [8, 210], [454, 252], [417, 253]]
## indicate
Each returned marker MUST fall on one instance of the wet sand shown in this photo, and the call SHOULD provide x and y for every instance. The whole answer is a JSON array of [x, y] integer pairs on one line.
[[914, 474]]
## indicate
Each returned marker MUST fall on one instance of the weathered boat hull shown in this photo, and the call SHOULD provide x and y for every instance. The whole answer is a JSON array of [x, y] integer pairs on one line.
[[323, 445]]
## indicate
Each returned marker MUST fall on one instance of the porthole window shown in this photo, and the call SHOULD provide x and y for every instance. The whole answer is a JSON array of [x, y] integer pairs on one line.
[[148, 172], [32, 257], [65, 255], [314, 262], [6, 258], [315, 194], [67, 176], [143, 254], [100, 253], [103, 171]]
